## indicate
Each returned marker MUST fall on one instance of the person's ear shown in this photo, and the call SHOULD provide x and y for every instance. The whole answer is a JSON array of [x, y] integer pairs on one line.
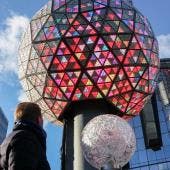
[[40, 121]]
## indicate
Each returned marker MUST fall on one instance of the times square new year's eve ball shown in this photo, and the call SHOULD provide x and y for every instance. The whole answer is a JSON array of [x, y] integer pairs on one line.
[[88, 49]]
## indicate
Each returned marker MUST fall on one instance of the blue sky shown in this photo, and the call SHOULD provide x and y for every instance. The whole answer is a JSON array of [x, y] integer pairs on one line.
[[14, 15]]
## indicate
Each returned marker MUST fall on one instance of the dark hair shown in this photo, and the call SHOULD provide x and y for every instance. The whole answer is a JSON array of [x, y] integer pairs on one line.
[[27, 111]]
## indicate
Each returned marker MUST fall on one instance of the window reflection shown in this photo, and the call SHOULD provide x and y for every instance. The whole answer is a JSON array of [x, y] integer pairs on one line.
[[147, 159]]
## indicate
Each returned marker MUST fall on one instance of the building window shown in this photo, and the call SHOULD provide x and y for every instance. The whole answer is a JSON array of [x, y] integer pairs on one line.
[[151, 125]]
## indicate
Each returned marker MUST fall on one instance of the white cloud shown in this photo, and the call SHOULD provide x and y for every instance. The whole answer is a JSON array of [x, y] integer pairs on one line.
[[10, 34], [164, 45], [22, 96]]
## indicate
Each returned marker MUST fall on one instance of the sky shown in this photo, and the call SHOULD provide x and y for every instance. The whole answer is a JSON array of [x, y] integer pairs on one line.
[[14, 17]]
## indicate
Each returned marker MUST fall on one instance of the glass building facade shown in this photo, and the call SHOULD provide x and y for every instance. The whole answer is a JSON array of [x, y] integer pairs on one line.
[[3, 126], [155, 154]]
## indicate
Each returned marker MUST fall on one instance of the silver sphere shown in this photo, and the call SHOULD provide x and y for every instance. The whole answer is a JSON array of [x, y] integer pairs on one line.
[[108, 139]]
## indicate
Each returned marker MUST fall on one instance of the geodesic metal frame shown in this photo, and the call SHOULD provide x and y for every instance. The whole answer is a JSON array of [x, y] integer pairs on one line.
[[90, 49]]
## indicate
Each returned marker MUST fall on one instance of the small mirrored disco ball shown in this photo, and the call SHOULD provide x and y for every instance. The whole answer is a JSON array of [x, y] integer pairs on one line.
[[108, 140]]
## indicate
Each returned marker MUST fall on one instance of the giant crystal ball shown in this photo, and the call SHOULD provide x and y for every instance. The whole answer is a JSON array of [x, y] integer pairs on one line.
[[108, 139], [88, 49]]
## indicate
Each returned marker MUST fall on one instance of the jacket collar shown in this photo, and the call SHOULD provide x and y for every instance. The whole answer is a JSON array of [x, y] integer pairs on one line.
[[33, 127]]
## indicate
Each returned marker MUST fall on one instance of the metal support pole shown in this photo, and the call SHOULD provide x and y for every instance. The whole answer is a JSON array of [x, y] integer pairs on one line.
[[83, 112], [109, 166], [78, 155]]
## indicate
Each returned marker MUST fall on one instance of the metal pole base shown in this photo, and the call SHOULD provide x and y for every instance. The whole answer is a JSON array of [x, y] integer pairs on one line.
[[109, 167]]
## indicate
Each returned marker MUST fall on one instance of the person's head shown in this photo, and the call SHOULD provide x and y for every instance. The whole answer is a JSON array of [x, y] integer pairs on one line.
[[29, 111]]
